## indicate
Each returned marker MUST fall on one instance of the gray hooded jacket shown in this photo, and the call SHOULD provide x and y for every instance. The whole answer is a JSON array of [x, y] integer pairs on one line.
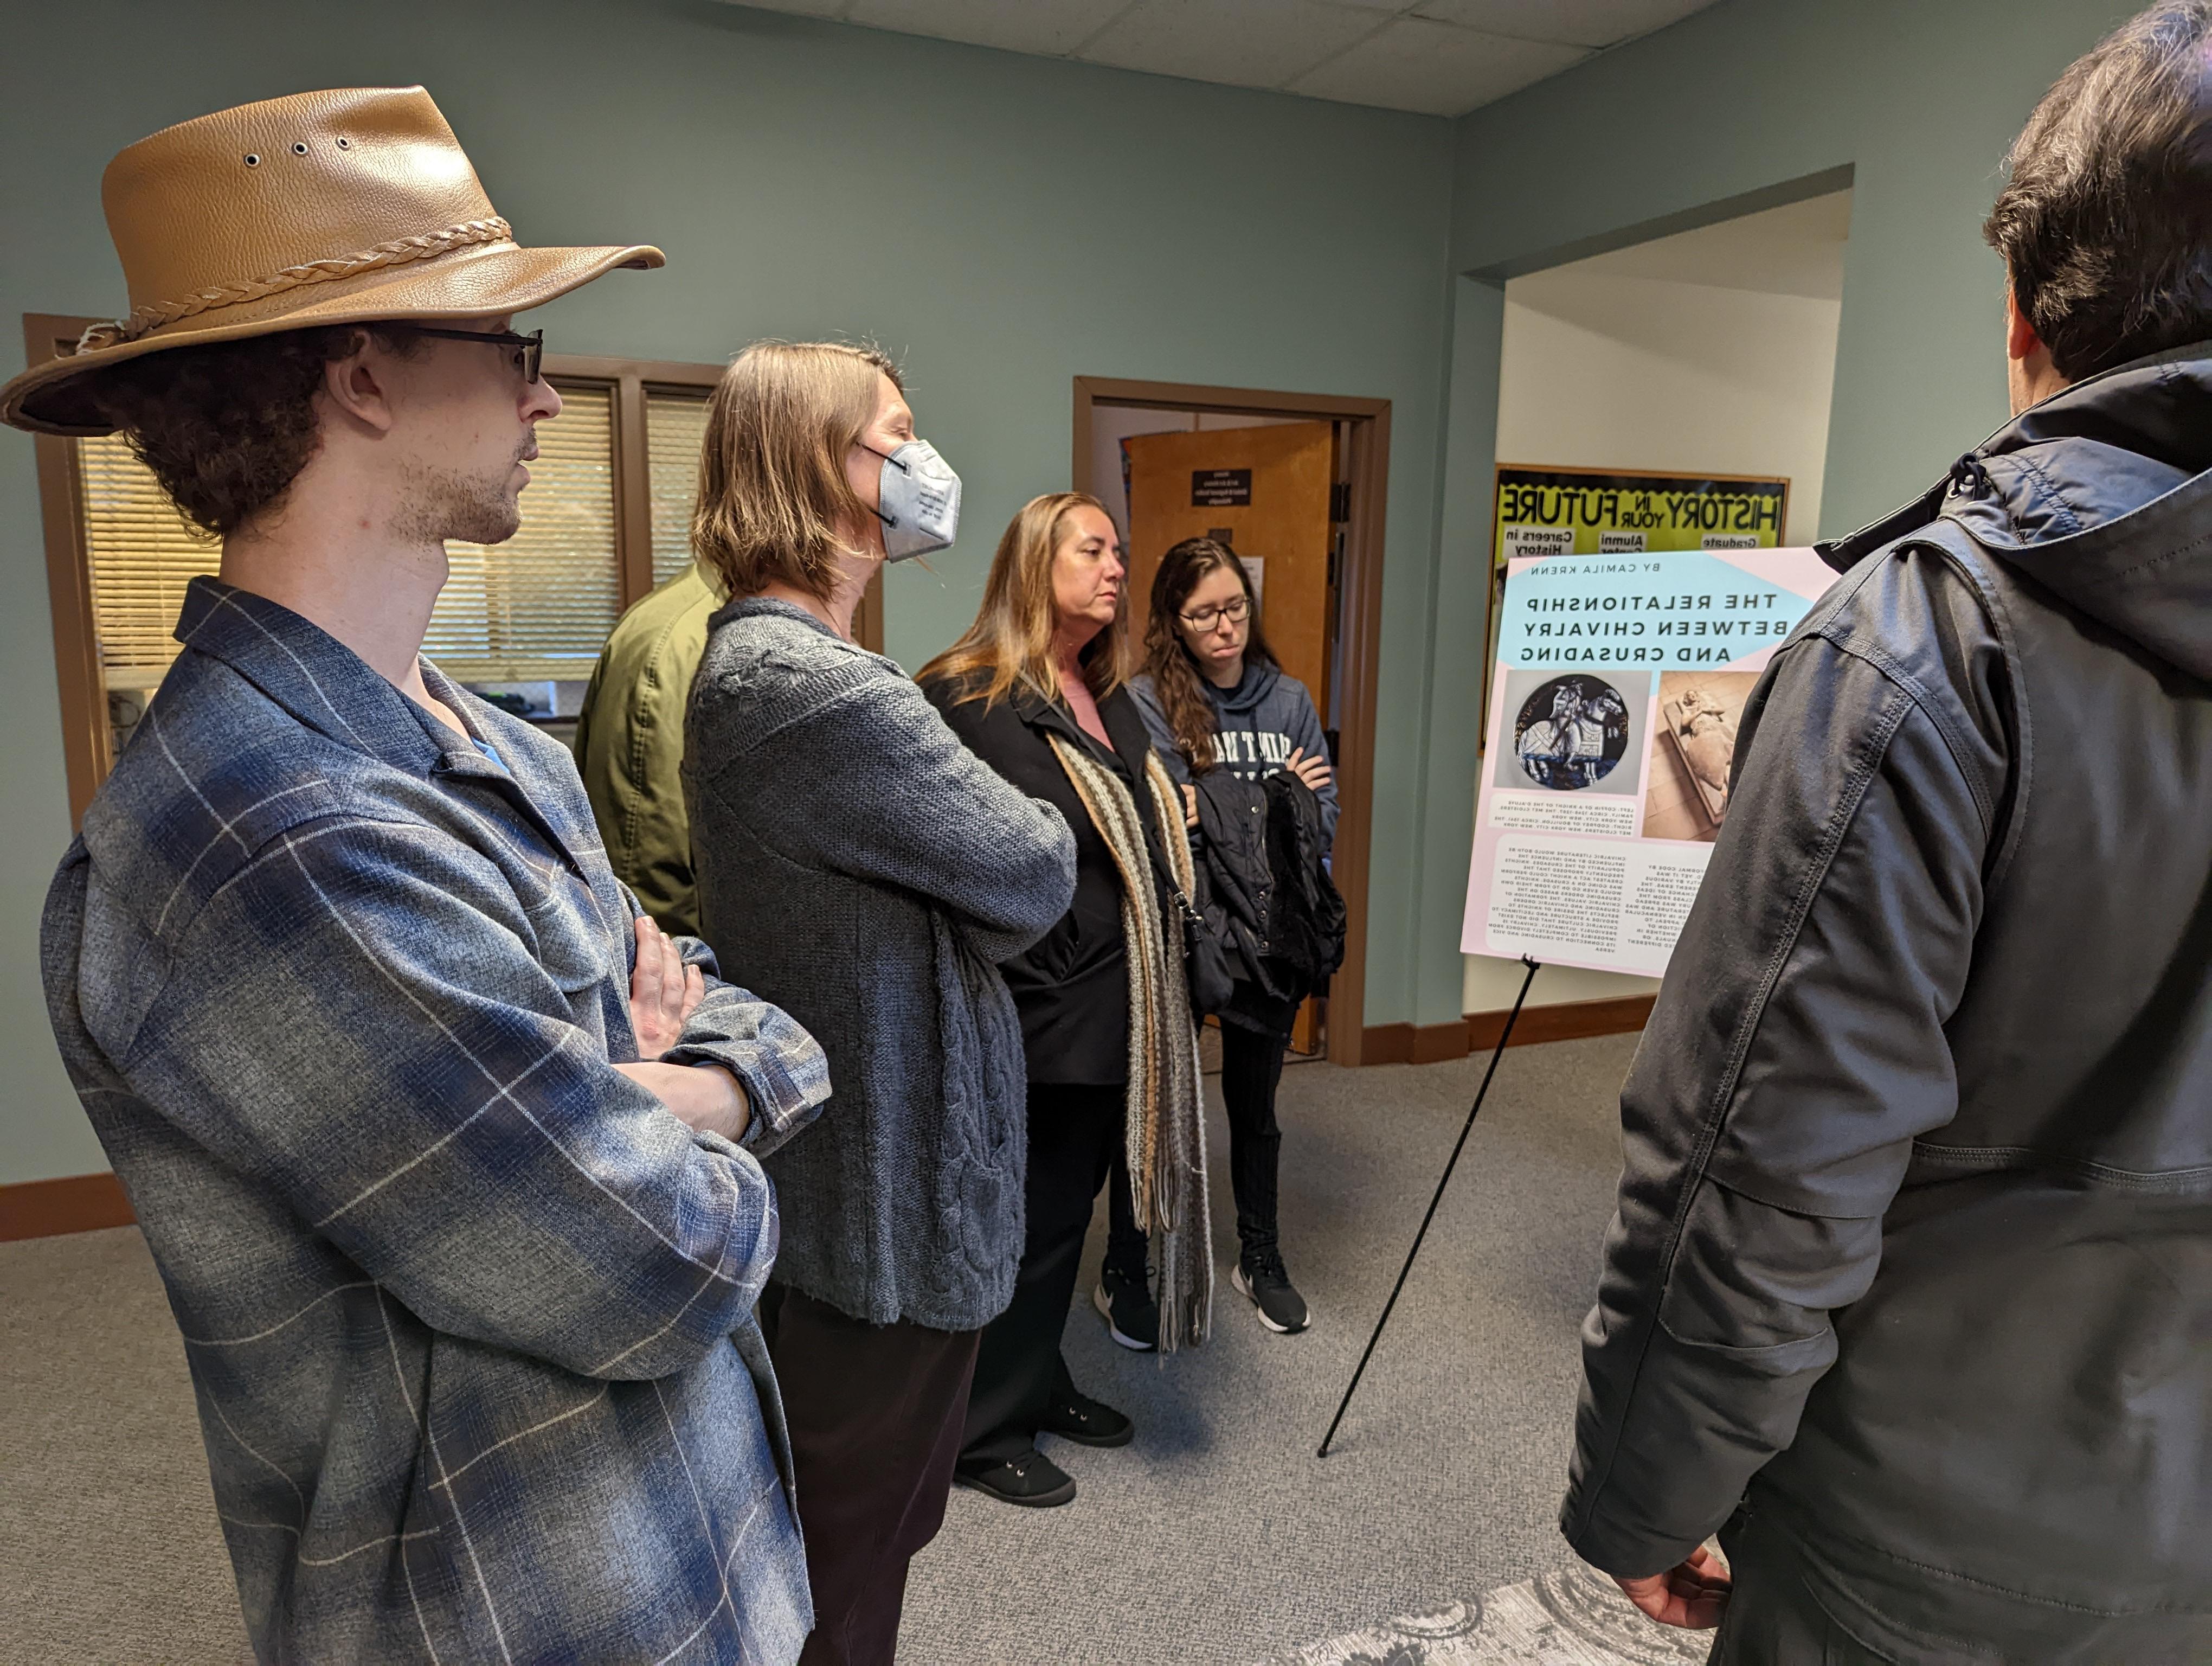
[[1262, 720], [1915, 1235]]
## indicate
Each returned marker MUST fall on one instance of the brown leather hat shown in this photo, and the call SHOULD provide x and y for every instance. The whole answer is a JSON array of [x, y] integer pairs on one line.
[[343, 207]]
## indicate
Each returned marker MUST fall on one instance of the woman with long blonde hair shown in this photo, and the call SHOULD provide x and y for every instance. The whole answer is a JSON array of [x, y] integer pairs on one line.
[[1037, 688], [854, 857]]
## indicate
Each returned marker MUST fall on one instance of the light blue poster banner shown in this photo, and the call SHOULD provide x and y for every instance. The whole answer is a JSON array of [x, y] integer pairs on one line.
[[1613, 706], [1661, 609]]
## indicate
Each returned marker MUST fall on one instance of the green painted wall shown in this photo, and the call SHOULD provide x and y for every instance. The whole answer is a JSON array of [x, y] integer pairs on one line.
[[1004, 223], [1917, 100]]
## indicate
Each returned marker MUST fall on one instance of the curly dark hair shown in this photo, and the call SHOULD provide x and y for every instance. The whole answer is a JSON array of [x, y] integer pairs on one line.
[[227, 428], [1174, 672], [2105, 221]]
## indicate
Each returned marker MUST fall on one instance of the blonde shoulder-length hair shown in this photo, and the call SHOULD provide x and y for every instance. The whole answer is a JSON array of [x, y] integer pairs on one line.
[[774, 500], [1010, 644]]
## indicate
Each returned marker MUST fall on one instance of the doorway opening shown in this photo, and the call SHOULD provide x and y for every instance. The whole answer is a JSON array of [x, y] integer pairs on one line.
[[1295, 484], [1708, 353]]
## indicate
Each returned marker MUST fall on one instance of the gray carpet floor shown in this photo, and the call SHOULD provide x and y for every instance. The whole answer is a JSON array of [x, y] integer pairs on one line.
[[1217, 1538]]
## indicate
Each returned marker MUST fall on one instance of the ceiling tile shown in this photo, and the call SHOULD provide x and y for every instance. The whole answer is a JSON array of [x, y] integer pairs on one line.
[[1050, 27], [1412, 64], [1245, 43], [1578, 22]]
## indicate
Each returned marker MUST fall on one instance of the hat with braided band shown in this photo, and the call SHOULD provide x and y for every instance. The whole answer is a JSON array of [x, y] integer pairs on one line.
[[347, 207]]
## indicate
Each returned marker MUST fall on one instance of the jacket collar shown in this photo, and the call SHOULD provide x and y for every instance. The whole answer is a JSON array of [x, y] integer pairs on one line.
[[330, 689], [1125, 724], [773, 607], [1039, 712], [747, 607], [2101, 494], [324, 683], [2093, 452]]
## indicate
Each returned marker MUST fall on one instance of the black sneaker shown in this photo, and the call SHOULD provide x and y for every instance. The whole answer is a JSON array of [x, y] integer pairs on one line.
[[1262, 1281], [1087, 1422], [1033, 1480], [1133, 1317]]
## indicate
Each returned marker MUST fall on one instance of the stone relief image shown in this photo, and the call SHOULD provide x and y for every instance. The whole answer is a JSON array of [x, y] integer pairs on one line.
[[1693, 748]]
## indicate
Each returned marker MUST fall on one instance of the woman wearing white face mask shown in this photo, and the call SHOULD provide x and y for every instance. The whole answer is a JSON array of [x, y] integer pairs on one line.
[[853, 855]]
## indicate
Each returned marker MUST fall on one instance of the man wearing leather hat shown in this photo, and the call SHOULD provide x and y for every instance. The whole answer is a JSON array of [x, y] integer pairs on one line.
[[446, 1156]]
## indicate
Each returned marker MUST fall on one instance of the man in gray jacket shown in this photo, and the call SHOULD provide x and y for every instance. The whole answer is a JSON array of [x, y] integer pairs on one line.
[[1910, 1290]]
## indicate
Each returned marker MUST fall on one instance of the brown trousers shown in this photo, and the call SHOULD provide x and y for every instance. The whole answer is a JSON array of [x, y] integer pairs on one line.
[[875, 1413]]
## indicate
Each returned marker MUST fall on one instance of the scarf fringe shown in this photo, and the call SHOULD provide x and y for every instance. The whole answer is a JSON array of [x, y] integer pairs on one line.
[[1166, 1123]]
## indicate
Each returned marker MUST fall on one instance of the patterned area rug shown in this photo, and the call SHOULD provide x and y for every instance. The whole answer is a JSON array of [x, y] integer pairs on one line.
[[1575, 1618]]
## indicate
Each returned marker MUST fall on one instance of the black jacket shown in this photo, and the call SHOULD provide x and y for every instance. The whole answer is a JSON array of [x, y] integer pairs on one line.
[[1914, 1234], [1071, 986], [1264, 892]]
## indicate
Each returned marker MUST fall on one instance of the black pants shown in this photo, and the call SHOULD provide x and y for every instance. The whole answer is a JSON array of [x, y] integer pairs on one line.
[[1075, 1135], [875, 1413], [1251, 1070]]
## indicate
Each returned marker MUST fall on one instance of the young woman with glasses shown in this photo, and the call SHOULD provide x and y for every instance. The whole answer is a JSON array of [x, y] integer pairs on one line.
[[1213, 697]]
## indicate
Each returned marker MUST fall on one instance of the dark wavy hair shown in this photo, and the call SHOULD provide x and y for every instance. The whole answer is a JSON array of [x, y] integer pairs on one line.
[[2106, 219], [1175, 674], [226, 428]]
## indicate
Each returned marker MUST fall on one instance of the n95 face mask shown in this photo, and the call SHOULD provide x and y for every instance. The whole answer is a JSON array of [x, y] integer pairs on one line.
[[918, 501]]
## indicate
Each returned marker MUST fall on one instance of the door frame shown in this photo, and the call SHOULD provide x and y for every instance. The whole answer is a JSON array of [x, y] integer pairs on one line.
[[1367, 464]]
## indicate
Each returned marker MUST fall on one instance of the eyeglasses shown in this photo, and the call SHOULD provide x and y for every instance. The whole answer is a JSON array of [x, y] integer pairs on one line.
[[532, 346], [1206, 617]]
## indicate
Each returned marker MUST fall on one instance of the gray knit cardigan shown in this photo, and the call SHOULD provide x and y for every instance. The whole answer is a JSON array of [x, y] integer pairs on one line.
[[862, 870]]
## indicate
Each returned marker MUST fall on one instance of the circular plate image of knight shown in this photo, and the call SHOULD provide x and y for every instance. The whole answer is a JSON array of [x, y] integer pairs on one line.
[[1571, 731]]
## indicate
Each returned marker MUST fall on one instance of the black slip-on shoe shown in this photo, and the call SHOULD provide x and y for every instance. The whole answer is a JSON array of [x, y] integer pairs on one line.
[[1033, 1480], [1133, 1317], [1262, 1281], [1087, 1422]]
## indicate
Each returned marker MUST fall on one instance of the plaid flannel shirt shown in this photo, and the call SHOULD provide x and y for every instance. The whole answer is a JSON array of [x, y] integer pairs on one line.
[[469, 1313]]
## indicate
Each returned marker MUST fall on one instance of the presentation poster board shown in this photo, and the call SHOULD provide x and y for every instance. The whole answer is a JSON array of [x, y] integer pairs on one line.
[[1616, 688]]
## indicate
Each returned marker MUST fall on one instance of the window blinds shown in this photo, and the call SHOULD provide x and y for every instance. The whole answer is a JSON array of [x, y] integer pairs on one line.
[[539, 606], [675, 428], [141, 554], [536, 608]]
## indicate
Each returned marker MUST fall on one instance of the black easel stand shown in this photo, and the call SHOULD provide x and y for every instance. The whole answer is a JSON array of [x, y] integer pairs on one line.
[[1497, 1053]]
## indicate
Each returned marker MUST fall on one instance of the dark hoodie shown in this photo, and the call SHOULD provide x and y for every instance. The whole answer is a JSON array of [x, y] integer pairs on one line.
[[1262, 721], [1914, 1234]]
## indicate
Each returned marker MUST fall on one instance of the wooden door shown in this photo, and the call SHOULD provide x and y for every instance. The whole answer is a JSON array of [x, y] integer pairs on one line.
[[1266, 492]]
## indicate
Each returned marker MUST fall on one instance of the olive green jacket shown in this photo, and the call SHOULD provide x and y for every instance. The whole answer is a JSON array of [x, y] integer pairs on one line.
[[629, 745]]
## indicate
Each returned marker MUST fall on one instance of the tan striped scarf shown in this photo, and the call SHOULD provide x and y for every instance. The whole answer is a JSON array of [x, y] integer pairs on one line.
[[1166, 1116]]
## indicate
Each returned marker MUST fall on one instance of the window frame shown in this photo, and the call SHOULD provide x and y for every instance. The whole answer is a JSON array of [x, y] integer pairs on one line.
[[83, 688], [630, 380]]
